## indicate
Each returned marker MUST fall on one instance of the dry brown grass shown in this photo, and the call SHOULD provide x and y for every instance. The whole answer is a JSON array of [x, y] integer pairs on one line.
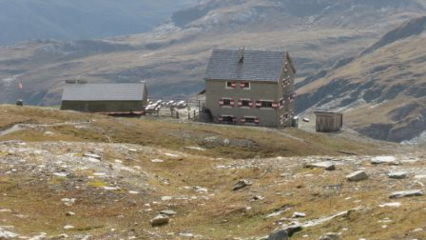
[[225, 214]]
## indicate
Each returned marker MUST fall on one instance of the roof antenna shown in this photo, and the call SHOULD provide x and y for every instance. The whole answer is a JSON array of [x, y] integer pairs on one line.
[[241, 54]]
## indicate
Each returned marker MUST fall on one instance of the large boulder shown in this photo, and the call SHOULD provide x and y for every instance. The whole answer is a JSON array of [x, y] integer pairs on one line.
[[384, 160], [397, 175], [329, 166], [357, 176], [410, 193], [279, 235], [241, 184], [159, 220]]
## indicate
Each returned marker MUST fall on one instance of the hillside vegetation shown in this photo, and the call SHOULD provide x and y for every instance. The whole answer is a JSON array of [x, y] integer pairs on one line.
[[81, 176]]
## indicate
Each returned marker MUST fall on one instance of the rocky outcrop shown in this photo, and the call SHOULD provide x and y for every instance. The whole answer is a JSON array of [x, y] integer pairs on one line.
[[411, 28]]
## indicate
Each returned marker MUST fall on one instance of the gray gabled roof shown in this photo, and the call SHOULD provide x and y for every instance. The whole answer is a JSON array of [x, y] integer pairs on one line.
[[257, 65], [104, 92]]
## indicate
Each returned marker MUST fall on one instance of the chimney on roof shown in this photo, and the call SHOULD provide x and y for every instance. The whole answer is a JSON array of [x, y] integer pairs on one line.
[[241, 54]]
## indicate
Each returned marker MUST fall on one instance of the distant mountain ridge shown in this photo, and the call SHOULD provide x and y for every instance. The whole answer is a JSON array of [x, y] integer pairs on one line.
[[81, 19]]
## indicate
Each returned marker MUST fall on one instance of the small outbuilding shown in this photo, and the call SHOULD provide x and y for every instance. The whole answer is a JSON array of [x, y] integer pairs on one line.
[[328, 121], [104, 97]]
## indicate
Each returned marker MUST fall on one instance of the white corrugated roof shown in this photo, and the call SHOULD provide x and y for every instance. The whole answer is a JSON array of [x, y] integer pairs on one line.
[[104, 92]]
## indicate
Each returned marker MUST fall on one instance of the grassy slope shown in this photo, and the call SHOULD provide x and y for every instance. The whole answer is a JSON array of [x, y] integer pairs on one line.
[[254, 142], [223, 214]]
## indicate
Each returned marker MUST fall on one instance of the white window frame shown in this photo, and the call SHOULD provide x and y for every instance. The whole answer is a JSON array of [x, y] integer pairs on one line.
[[248, 88], [267, 108], [227, 106], [226, 84], [251, 123], [227, 116], [246, 99]]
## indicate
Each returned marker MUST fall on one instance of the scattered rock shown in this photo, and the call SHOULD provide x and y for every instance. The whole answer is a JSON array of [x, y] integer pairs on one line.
[[357, 176], [330, 236], [200, 189], [157, 161], [69, 214], [278, 235], [187, 235], [257, 198], [196, 148], [397, 175], [166, 198], [171, 155], [329, 166], [420, 177], [90, 155], [68, 227], [99, 174], [241, 184], [410, 193], [68, 201], [41, 236], [111, 188], [60, 174], [292, 228], [299, 215], [92, 160], [159, 220], [6, 234], [394, 204], [384, 160], [168, 212]]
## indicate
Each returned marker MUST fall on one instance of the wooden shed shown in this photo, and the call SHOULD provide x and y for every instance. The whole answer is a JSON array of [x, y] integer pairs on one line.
[[328, 121], [104, 98]]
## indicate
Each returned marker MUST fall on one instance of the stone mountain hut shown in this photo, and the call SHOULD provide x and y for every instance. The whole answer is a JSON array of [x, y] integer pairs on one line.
[[250, 87], [104, 97], [328, 121]]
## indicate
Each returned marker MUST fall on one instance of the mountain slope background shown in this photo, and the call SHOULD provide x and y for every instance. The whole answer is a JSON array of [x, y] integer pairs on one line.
[[326, 38], [382, 89], [80, 19]]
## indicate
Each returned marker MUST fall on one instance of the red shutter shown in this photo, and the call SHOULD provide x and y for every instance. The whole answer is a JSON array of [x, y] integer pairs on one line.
[[275, 105], [234, 84], [257, 121], [243, 120], [232, 102], [240, 103], [221, 102], [251, 104], [258, 104], [242, 85], [234, 119], [220, 119]]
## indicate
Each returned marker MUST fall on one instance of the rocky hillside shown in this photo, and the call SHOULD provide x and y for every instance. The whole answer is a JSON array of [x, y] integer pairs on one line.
[[104, 178], [80, 19], [382, 90], [172, 58]]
